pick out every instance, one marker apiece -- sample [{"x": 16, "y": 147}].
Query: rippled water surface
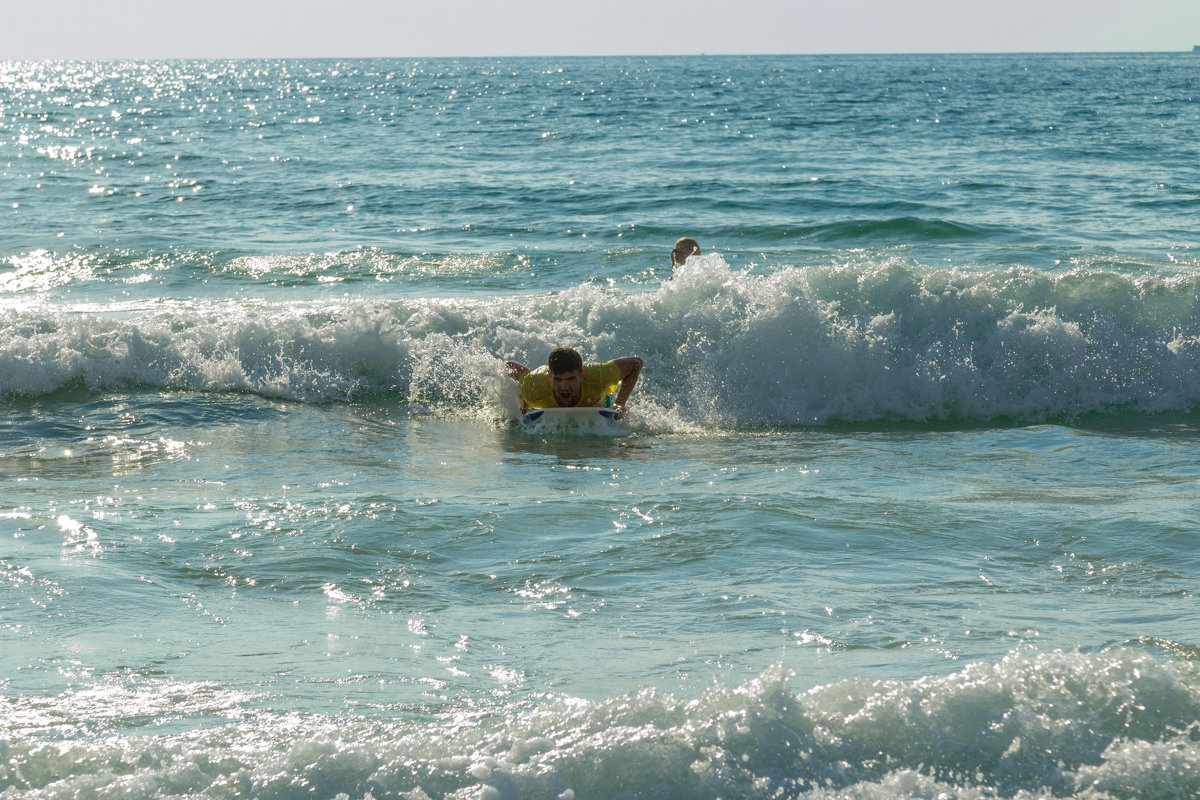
[{"x": 904, "y": 505}]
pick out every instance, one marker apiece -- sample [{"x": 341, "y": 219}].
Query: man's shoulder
[
  {"x": 602, "y": 374},
  {"x": 535, "y": 387},
  {"x": 535, "y": 373}
]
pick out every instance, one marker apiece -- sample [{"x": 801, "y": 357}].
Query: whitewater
[{"x": 792, "y": 348}]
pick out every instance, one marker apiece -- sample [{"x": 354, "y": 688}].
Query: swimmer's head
[
  {"x": 564, "y": 359},
  {"x": 684, "y": 248}
]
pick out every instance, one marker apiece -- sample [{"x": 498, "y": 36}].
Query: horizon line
[{"x": 831, "y": 54}]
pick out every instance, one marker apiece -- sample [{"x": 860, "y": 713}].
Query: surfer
[
  {"x": 684, "y": 249},
  {"x": 566, "y": 381}
]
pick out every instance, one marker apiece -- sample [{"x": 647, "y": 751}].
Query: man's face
[{"x": 566, "y": 386}]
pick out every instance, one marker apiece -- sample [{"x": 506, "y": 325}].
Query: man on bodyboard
[{"x": 565, "y": 381}]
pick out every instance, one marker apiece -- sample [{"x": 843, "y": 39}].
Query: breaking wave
[{"x": 888, "y": 341}]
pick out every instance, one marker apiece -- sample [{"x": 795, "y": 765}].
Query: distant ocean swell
[
  {"x": 798, "y": 346},
  {"x": 1113, "y": 724}
]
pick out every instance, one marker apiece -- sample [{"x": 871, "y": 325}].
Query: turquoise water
[{"x": 905, "y": 506}]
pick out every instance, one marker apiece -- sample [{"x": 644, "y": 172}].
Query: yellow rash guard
[{"x": 599, "y": 381}]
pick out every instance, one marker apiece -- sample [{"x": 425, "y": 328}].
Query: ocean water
[{"x": 906, "y": 504}]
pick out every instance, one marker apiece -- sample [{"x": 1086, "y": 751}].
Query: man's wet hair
[{"x": 564, "y": 359}]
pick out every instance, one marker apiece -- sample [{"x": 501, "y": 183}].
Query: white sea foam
[
  {"x": 1112, "y": 724},
  {"x": 889, "y": 341}
]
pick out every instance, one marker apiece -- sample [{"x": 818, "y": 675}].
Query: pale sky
[{"x": 412, "y": 28}]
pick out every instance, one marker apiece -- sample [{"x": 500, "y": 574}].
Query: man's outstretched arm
[
  {"x": 515, "y": 370},
  {"x": 630, "y": 367}
]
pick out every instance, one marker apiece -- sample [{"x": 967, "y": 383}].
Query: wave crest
[{"x": 799, "y": 346}]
